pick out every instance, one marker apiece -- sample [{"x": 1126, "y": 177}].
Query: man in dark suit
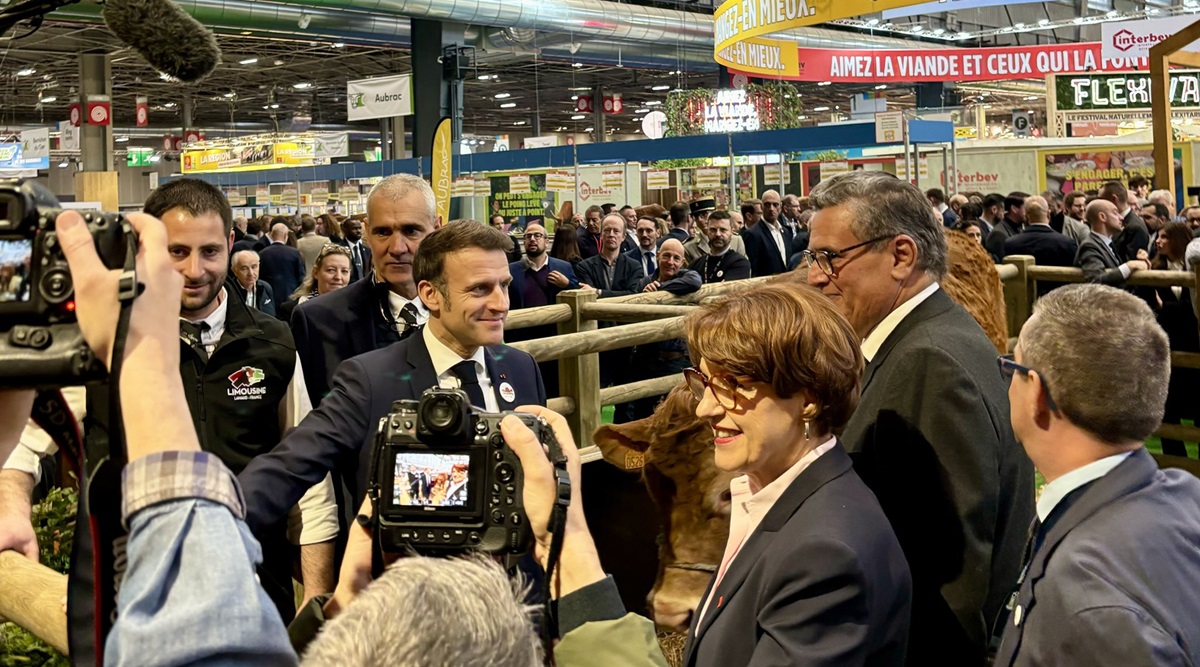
[
  {"x": 1113, "y": 572},
  {"x": 255, "y": 293},
  {"x": 536, "y": 281},
  {"x": 768, "y": 244},
  {"x": 589, "y": 233},
  {"x": 647, "y": 250},
  {"x": 360, "y": 254},
  {"x": 611, "y": 273},
  {"x": 250, "y": 239},
  {"x": 369, "y": 314},
  {"x": 282, "y": 265},
  {"x": 931, "y": 433},
  {"x": 681, "y": 220},
  {"x": 1096, "y": 255},
  {"x": 1048, "y": 247},
  {"x": 463, "y": 278},
  {"x": 1134, "y": 235},
  {"x": 1014, "y": 220},
  {"x": 720, "y": 263}
]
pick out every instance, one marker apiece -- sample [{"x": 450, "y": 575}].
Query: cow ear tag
[{"x": 635, "y": 460}]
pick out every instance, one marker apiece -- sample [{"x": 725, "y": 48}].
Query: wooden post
[
  {"x": 31, "y": 595},
  {"x": 1162, "y": 56},
  {"x": 579, "y": 377},
  {"x": 1018, "y": 293},
  {"x": 1196, "y": 289}
]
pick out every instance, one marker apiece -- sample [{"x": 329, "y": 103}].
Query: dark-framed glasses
[
  {"x": 824, "y": 258},
  {"x": 1009, "y": 367},
  {"x": 535, "y": 235},
  {"x": 724, "y": 388}
]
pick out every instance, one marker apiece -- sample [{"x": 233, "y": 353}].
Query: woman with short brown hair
[{"x": 812, "y": 572}]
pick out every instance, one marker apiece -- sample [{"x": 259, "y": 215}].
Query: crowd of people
[{"x": 883, "y": 509}]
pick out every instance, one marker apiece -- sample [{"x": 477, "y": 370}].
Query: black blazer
[
  {"x": 588, "y": 243},
  {"x": 763, "y": 252},
  {"x": 931, "y": 436},
  {"x": 730, "y": 266},
  {"x": 339, "y": 434},
  {"x": 821, "y": 581},
  {"x": 995, "y": 240},
  {"x": 1099, "y": 262},
  {"x": 1134, "y": 236},
  {"x": 283, "y": 267},
  {"x": 264, "y": 296},
  {"x": 1048, "y": 247},
  {"x": 1114, "y": 580},
  {"x": 627, "y": 273},
  {"x": 333, "y": 327},
  {"x": 677, "y": 233}
]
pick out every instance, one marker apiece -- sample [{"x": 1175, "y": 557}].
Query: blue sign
[
  {"x": 947, "y": 6},
  {"x": 11, "y": 158}
]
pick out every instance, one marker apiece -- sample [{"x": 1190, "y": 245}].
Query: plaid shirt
[{"x": 165, "y": 476}]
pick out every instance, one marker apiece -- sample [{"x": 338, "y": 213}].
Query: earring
[{"x": 807, "y": 429}]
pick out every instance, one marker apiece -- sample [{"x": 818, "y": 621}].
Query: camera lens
[{"x": 440, "y": 414}]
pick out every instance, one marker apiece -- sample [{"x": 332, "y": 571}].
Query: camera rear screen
[
  {"x": 431, "y": 480},
  {"x": 14, "y": 269}
]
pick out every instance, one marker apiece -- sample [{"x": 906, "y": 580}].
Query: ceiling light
[
  {"x": 248, "y": 61},
  {"x": 122, "y": 139},
  {"x": 1079, "y": 19},
  {"x": 63, "y": 164},
  {"x": 917, "y": 28},
  {"x": 825, "y": 83},
  {"x": 939, "y": 31},
  {"x": 821, "y": 109},
  {"x": 156, "y": 157},
  {"x": 502, "y": 96},
  {"x": 1044, "y": 22},
  {"x": 588, "y": 129},
  {"x": 579, "y": 116},
  {"x": 278, "y": 62},
  {"x": 801, "y": 117},
  {"x": 508, "y": 105},
  {"x": 520, "y": 122},
  {"x": 655, "y": 103},
  {"x": 873, "y": 22},
  {"x": 165, "y": 77},
  {"x": 561, "y": 128},
  {"x": 574, "y": 97},
  {"x": 579, "y": 89},
  {"x": 339, "y": 45},
  {"x": 577, "y": 65},
  {"x": 963, "y": 35},
  {"x": 229, "y": 95},
  {"x": 1113, "y": 14},
  {"x": 169, "y": 105},
  {"x": 274, "y": 106},
  {"x": 1019, "y": 26},
  {"x": 642, "y": 111},
  {"x": 48, "y": 100},
  {"x": 28, "y": 71},
  {"x": 881, "y": 86},
  {"x": 303, "y": 85},
  {"x": 657, "y": 88},
  {"x": 1031, "y": 97}
]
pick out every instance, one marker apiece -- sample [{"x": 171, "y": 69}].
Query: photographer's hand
[
  {"x": 356, "y": 565},
  {"x": 579, "y": 564},
  {"x": 152, "y": 345},
  {"x": 15, "y": 406}
]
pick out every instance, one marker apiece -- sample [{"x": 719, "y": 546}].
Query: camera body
[
  {"x": 443, "y": 481},
  {"x": 40, "y": 342}
]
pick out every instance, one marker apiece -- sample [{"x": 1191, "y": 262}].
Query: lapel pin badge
[
  {"x": 507, "y": 392},
  {"x": 720, "y": 600}
]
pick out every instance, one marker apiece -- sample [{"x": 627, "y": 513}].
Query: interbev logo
[{"x": 1124, "y": 40}]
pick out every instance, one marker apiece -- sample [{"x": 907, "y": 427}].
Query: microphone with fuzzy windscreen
[{"x": 168, "y": 38}]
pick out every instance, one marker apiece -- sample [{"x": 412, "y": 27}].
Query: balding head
[
  {"x": 244, "y": 264},
  {"x": 1037, "y": 210},
  {"x": 670, "y": 259},
  {"x": 279, "y": 232},
  {"x": 772, "y": 205},
  {"x": 1103, "y": 217}
]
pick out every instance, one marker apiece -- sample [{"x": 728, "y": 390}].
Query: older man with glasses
[{"x": 931, "y": 431}]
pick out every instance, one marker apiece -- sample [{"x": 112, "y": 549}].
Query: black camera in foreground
[
  {"x": 443, "y": 481},
  {"x": 40, "y": 342}
]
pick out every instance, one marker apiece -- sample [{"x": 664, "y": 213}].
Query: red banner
[
  {"x": 143, "y": 112},
  {"x": 76, "y": 113},
  {"x": 960, "y": 65},
  {"x": 99, "y": 110}
]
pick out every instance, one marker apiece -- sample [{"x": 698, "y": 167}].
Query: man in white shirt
[
  {"x": 932, "y": 415},
  {"x": 1088, "y": 595}
]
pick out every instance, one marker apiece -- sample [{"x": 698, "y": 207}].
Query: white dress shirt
[
  {"x": 878, "y": 335},
  {"x": 748, "y": 508},
  {"x": 444, "y": 359},
  {"x": 777, "y": 234},
  {"x": 398, "y": 302},
  {"x": 1054, "y": 492}
]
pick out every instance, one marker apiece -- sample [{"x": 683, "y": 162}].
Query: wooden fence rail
[{"x": 33, "y": 596}]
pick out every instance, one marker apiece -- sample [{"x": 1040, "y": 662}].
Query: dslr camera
[
  {"x": 40, "y": 342},
  {"x": 442, "y": 480}
]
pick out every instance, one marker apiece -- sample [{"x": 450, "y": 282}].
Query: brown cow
[{"x": 674, "y": 452}]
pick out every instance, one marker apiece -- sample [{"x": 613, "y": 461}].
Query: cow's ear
[{"x": 620, "y": 447}]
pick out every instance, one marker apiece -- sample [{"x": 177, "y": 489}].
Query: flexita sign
[
  {"x": 383, "y": 97},
  {"x": 1101, "y": 92}
]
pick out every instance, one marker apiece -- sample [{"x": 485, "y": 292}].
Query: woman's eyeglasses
[{"x": 724, "y": 389}]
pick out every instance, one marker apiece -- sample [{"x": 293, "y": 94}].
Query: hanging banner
[
  {"x": 961, "y": 65},
  {"x": 831, "y": 169},
  {"x": 290, "y": 196},
  {"x": 235, "y": 197},
  {"x": 541, "y": 142},
  {"x": 12, "y": 158},
  {"x": 382, "y": 97},
  {"x": 36, "y": 143},
  {"x": 1133, "y": 39},
  {"x": 331, "y": 145},
  {"x": 68, "y": 136},
  {"x": 349, "y": 192},
  {"x": 709, "y": 177},
  {"x": 889, "y": 127},
  {"x": 483, "y": 187},
  {"x": 262, "y": 195},
  {"x": 319, "y": 193},
  {"x": 1070, "y": 171},
  {"x": 1123, "y": 91},
  {"x": 922, "y": 169},
  {"x": 99, "y": 110},
  {"x": 771, "y": 174},
  {"x": 940, "y": 6},
  {"x": 76, "y": 112},
  {"x": 658, "y": 179},
  {"x": 143, "y": 112},
  {"x": 613, "y": 179},
  {"x": 592, "y": 190},
  {"x": 518, "y": 184},
  {"x": 560, "y": 181},
  {"x": 464, "y": 186},
  {"x": 441, "y": 174}
]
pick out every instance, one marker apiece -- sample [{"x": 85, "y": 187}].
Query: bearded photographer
[{"x": 184, "y": 511}]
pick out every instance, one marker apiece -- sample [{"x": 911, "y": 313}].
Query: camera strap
[{"x": 557, "y": 527}]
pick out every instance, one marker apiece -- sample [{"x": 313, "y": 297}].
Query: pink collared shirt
[{"x": 748, "y": 509}]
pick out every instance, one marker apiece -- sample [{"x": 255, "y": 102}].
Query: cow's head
[{"x": 673, "y": 450}]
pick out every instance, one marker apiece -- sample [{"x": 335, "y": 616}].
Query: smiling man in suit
[
  {"x": 931, "y": 433},
  {"x": 462, "y": 277}
]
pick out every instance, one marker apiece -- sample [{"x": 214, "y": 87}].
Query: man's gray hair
[
  {"x": 882, "y": 205},
  {"x": 1076, "y": 338},
  {"x": 1163, "y": 197},
  {"x": 399, "y": 186},
  {"x": 432, "y": 612}
]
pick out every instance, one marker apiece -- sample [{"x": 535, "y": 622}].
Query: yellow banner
[
  {"x": 441, "y": 169},
  {"x": 739, "y": 20},
  {"x": 768, "y": 57}
]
